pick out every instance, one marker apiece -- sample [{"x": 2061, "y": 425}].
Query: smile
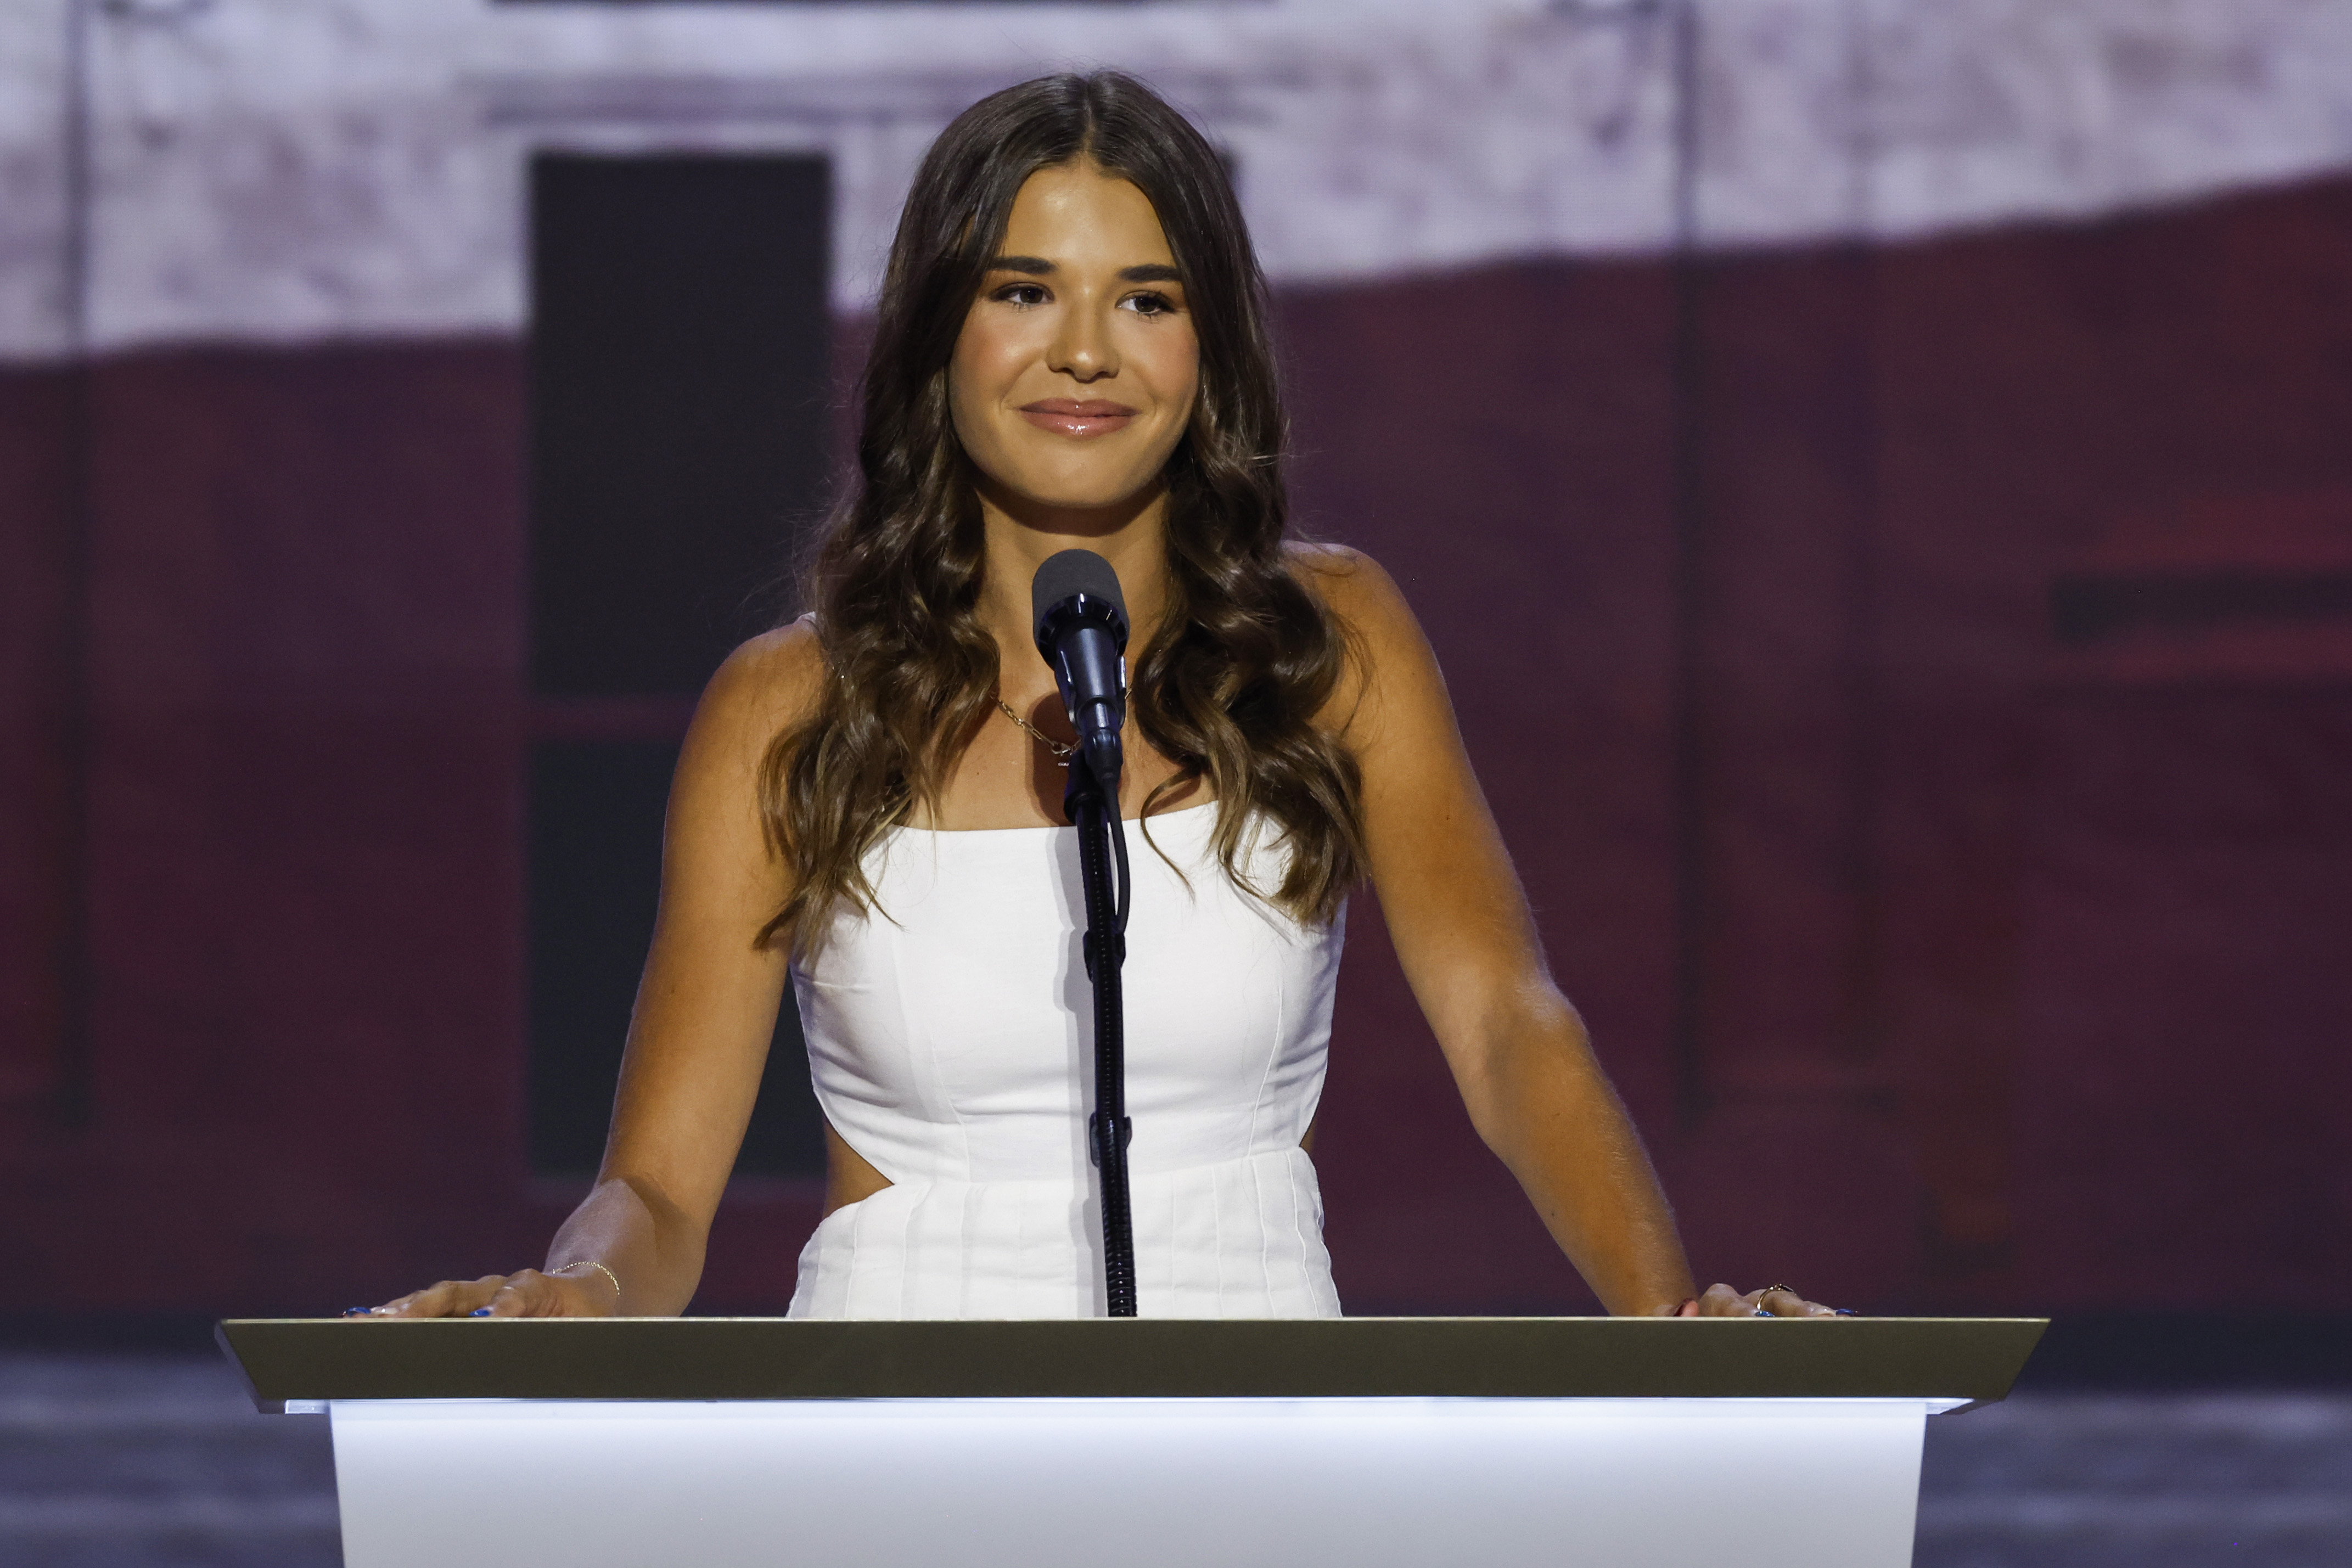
[{"x": 1068, "y": 416}]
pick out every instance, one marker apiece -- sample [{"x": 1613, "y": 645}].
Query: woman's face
[{"x": 1073, "y": 377}]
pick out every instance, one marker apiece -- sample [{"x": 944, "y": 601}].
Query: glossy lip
[{"x": 1073, "y": 416}]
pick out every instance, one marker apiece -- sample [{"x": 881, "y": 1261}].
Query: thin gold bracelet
[{"x": 592, "y": 1263}]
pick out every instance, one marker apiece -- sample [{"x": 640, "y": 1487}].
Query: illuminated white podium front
[{"x": 1369, "y": 1442}]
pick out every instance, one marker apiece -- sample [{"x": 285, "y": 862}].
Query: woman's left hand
[{"x": 1772, "y": 1302}]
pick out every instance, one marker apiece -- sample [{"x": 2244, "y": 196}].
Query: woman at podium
[{"x": 1072, "y": 350}]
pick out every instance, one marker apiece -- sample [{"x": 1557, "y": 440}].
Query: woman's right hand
[
  {"x": 527, "y": 1294},
  {"x": 699, "y": 1039}
]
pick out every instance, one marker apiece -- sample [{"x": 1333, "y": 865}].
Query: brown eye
[
  {"x": 1149, "y": 303},
  {"x": 1021, "y": 294}
]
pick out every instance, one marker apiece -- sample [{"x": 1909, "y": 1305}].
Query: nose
[{"x": 1081, "y": 347}]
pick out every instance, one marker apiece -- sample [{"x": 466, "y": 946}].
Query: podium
[{"x": 1150, "y": 1443}]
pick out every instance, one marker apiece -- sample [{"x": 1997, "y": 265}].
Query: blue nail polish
[
  {"x": 479, "y": 1312},
  {"x": 357, "y": 1311}
]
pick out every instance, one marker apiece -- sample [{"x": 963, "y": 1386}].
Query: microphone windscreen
[{"x": 1071, "y": 572}]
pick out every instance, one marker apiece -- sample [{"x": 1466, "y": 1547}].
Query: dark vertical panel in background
[
  {"x": 679, "y": 370},
  {"x": 595, "y": 859},
  {"x": 677, "y": 388},
  {"x": 42, "y": 880}
]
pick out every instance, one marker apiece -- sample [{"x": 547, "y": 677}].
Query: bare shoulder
[
  {"x": 1355, "y": 588},
  {"x": 768, "y": 685},
  {"x": 1388, "y": 656}
]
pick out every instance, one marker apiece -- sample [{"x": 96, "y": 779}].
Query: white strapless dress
[{"x": 951, "y": 1040}]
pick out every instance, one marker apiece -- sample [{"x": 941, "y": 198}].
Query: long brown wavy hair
[{"x": 1246, "y": 657}]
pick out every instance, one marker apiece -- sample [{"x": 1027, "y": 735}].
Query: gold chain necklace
[{"x": 1062, "y": 754}]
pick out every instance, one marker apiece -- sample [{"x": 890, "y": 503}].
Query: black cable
[{"x": 1119, "y": 852}]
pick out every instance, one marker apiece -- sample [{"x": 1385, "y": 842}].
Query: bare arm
[
  {"x": 1462, "y": 931},
  {"x": 699, "y": 1037}
]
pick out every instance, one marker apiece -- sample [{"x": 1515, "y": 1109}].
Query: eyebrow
[{"x": 1038, "y": 266}]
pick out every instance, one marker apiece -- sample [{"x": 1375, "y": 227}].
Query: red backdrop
[{"x": 1955, "y": 944}]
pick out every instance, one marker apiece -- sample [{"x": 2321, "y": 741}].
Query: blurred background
[{"x": 1877, "y": 474}]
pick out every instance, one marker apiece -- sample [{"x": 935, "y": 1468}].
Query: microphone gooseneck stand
[
  {"x": 1080, "y": 617},
  {"x": 1092, "y": 805}
]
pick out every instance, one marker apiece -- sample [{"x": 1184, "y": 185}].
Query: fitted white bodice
[{"x": 950, "y": 1040}]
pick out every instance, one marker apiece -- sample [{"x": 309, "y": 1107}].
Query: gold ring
[{"x": 1764, "y": 1312}]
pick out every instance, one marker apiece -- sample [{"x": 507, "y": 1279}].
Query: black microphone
[{"x": 1081, "y": 621}]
